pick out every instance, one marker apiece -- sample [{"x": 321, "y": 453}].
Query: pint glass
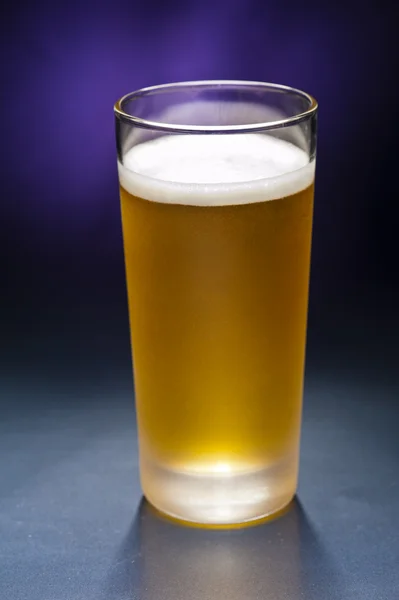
[{"x": 216, "y": 187}]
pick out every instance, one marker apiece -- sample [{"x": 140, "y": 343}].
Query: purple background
[{"x": 61, "y": 249}]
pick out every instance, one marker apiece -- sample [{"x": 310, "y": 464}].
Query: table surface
[{"x": 73, "y": 525}]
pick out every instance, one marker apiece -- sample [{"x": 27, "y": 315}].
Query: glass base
[{"x": 222, "y": 496}]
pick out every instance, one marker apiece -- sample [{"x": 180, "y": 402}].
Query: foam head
[{"x": 214, "y": 170}]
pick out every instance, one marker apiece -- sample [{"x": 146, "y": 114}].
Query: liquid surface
[{"x": 218, "y": 293}]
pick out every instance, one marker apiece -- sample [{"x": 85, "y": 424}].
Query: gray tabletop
[{"x": 74, "y": 526}]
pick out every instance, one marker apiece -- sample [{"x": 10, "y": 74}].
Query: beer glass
[{"x": 216, "y": 188}]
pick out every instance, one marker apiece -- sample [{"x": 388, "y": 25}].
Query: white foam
[{"x": 214, "y": 170}]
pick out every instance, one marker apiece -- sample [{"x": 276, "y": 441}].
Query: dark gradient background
[{"x": 64, "y": 343}]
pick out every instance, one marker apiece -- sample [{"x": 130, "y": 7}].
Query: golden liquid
[{"x": 218, "y": 307}]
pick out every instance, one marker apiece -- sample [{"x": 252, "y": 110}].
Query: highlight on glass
[{"x": 216, "y": 188}]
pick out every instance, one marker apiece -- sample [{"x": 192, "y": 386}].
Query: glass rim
[{"x": 198, "y": 129}]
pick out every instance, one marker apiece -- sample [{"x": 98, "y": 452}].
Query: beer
[{"x": 217, "y": 236}]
